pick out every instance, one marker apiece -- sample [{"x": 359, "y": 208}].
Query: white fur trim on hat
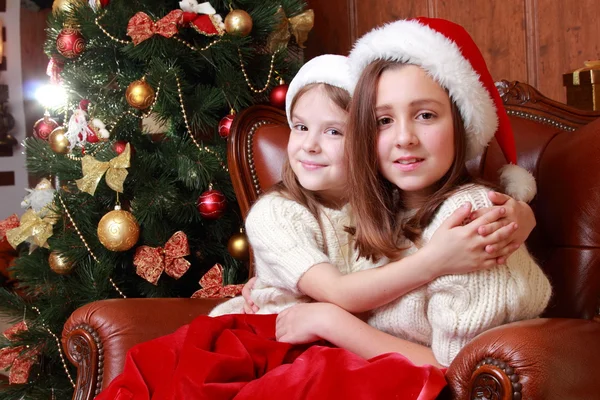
[
  {"x": 518, "y": 182},
  {"x": 328, "y": 68},
  {"x": 412, "y": 42}
]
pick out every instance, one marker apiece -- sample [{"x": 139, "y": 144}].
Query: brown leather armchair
[{"x": 556, "y": 357}]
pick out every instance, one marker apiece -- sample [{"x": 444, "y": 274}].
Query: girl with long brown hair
[
  {"x": 425, "y": 103},
  {"x": 298, "y": 230}
]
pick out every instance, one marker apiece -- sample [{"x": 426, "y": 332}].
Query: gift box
[{"x": 583, "y": 86}]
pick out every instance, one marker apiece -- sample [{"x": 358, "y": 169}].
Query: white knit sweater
[
  {"x": 286, "y": 241},
  {"x": 451, "y": 310}
]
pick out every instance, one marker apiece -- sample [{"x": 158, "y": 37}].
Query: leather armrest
[
  {"x": 98, "y": 335},
  {"x": 536, "y": 359}
]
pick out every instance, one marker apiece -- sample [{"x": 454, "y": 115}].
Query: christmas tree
[{"x": 135, "y": 198}]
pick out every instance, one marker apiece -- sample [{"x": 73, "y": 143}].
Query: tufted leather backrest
[{"x": 549, "y": 138}]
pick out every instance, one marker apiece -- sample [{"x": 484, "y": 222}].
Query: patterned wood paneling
[
  {"x": 498, "y": 28},
  {"x": 569, "y": 34}
]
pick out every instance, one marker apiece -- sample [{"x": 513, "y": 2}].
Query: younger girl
[
  {"x": 298, "y": 229},
  {"x": 427, "y": 104}
]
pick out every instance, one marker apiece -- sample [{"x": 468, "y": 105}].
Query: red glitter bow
[
  {"x": 150, "y": 262},
  {"x": 212, "y": 285},
  {"x": 141, "y": 26},
  {"x": 8, "y": 224},
  {"x": 20, "y": 359}
]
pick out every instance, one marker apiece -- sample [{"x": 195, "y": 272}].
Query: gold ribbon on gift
[
  {"x": 115, "y": 170},
  {"x": 299, "y": 26},
  {"x": 34, "y": 227},
  {"x": 590, "y": 64}
]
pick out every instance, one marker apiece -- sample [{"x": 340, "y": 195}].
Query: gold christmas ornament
[
  {"x": 118, "y": 230},
  {"x": 238, "y": 246},
  {"x": 58, "y": 140},
  {"x": 66, "y": 5},
  {"x": 139, "y": 94},
  {"x": 238, "y": 22},
  {"x": 59, "y": 264}
]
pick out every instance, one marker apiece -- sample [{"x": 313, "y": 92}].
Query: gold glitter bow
[
  {"x": 299, "y": 26},
  {"x": 115, "y": 169},
  {"x": 33, "y": 228}
]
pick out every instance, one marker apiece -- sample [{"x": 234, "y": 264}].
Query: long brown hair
[
  {"x": 289, "y": 185},
  {"x": 375, "y": 201}
]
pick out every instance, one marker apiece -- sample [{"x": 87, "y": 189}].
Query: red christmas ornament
[
  {"x": 212, "y": 204},
  {"x": 92, "y": 137},
  {"x": 225, "y": 124},
  {"x": 119, "y": 147},
  {"x": 43, "y": 127},
  {"x": 277, "y": 96},
  {"x": 70, "y": 42}
]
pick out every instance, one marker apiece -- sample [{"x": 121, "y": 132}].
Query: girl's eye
[
  {"x": 300, "y": 127},
  {"x": 426, "y": 116},
  {"x": 384, "y": 121},
  {"x": 333, "y": 132}
]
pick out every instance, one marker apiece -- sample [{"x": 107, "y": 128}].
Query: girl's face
[
  {"x": 415, "y": 143},
  {"x": 316, "y": 145}
]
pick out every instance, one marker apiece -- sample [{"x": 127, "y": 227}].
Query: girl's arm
[
  {"x": 306, "y": 323},
  {"x": 454, "y": 249},
  {"x": 518, "y": 212}
]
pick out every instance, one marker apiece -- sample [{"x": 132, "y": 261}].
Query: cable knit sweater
[
  {"x": 451, "y": 310},
  {"x": 286, "y": 241}
]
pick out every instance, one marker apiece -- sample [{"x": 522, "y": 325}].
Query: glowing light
[{"x": 51, "y": 96}]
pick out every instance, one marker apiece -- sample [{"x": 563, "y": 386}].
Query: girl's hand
[
  {"x": 249, "y": 306},
  {"x": 518, "y": 212},
  {"x": 458, "y": 249},
  {"x": 302, "y": 323}
]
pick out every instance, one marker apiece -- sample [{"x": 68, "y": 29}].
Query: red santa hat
[
  {"x": 450, "y": 56},
  {"x": 331, "y": 69}
]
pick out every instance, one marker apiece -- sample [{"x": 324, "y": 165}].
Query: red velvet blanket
[{"x": 237, "y": 357}]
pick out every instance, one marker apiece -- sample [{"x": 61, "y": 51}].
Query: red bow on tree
[
  {"x": 20, "y": 359},
  {"x": 141, "y": 26},
  {"x": 150, "y": 262},
  {"x": 212, "y": 285}
]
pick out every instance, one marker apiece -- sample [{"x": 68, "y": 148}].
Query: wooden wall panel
[
  {"x": 332, "y": 31},
  {"x": 569, "y": 34},
  {"x": 370, "y": 14},
  {"x": 498, "y": 28}
]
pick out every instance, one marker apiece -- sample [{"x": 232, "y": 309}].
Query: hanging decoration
[
  {"x": 59, "y": 263},
  {"x": 139, "y": 94},
  {"x": 278, "y": 94},
  {"x": 141, "y": 27},
  {"x": 212, "y": 285},
  {"x": 98, "y": 4},
  {"x": 225, "y": 124},
  {"x": 70, "y": 42},
  {"x": 151, "y": 262},
  {"x": 203, "y": 18},
  {"x": 299, "y": 26},
  {"x": 65, "y": 6},
  {"x": 77, "y": 129},
  {"x": 40, "y": 196},
  {"x": 238, "y": 246},
  {"x": 54, "y": 69},
  {"x": 34, "y": 228},
  {"x": 118, "y": 230},
  {"x": 93, "y": 170},
  {"x": 238, "y": 22},
  {"x": 58, "y": 140},
  {"x": 212, "y": 204},
  {"x": 44, "y": 126},
  {"x": 19, "y": 359},
  {"x": 96, "y": 131}
]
